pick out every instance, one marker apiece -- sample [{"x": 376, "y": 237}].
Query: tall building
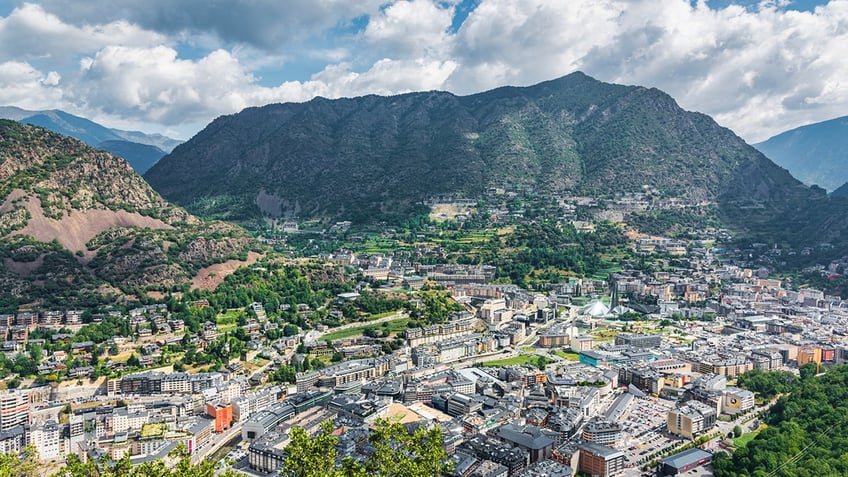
[
  {"x": 46, "y": 438},
  {"x": 596, "y": 459},
  {"x": 601, "y": 431},
  {"x": 14, "y": 409},
  {"x": 691, "y": 419},
  {"x": 222, "y": 413}
]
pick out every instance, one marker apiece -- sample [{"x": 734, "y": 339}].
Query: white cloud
[
  {"x": 729, "y": 63},
  {"x": 154, "y": 84},
  {"x": 757, "y": 70},
  {"x": 411, "y": 28},
  {"x": 26, "y": 87},
  {"x": 527, "y": 41},
  {"x": 385, "y": 77},
  {"x": 31, "y": 32}
]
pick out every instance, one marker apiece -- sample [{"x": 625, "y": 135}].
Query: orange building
[
  {"x": 223, "y": 414},
  {"x": 810, "y": 355}
]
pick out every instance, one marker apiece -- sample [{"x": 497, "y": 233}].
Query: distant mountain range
[
  {"x": 815, "y": 153},
  {"x": 139, "y": 149},
  {"x": 375, "y": 158},
  {"x": 77, "y": 224}
]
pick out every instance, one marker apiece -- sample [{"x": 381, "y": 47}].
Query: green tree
[
  {"x": 16, "y": 464},
  {"x": 156, "y": 468},
  {"x": 311, "y": 457},
  {"x": 808, "y": 370},
  {"x": 737, "y": 431},
  {"x": 397, "y": 453},
  {"x": 400, "y": 454}
]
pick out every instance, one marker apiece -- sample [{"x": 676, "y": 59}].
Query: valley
[{"x": 552, "y": 278}]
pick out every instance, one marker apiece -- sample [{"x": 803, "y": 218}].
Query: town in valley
[{"x": 642, "y": 366}]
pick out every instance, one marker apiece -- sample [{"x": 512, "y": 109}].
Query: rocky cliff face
[{"x": 76, "y": 222}]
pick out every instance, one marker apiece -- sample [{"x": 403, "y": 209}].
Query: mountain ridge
[
  {"x": 139, "y": 149},
  {"x": 77, "y": 223},
  {"x": 814, "y": 153},
  {"x": 380, "y": 158}
]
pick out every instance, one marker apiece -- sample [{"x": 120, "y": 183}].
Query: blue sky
[{"x": 171, "y": 66}]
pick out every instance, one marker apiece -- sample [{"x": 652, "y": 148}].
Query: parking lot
[{"x": 644, "y": 429}]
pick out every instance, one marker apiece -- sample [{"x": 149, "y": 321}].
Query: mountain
[
  {"x": 96, "y": 135},
  {"x": 377, "y": 158},
  {"x": 815, "y": 153},
  {"x": 140, "y": 156},
  {"x": 841, "y": 191},
  {"x": 78, "y": 225}
]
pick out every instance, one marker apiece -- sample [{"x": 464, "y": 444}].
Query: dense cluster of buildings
[{"x": 719, "y": 321}]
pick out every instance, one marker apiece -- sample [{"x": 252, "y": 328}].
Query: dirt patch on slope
[
  {"x": 8, "y": 204},
  {"x": 74, "y": 230},
  {"x": 210, "y": 277},
  {"x": 23, "y": 268}
]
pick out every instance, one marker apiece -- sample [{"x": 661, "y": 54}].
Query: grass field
[
  {"x": 567, "y": 355},
  {"x": 517, "y": 360},
  {"x": 392, "y": 326},
  {"x": 745, "y": 439},
  {"x": 153, "y": 430},
  {"x": 604, "y": 334}
]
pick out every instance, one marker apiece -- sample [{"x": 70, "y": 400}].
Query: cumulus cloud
[
  {"x": 758, "y": 70},
  {"x": 728, "y": 62},
  {"x": 412, "y": 28},
  {"x": 31, "y": 32},
  {"x": 154, "y": 84},
  {"x": 385, "y": 77},
  {"x": 266, "y": 24},
  {"x": 24, "y": 86}
]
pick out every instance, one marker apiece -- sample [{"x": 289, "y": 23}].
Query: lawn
[
  {"x": 229, "y": 317},
  {"x": 604, "y": 334},
  {"x": 149, "y": 430},
  {"x": 392, "y": 326},
  {"x": 567, "y": 355},
  {"x": 745, "y": 439},
  {"x": 378, "y": 316},
  {"x": 517, "y": 360}
]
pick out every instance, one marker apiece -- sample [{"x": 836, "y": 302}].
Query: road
[{"x": 218, "y": 440}]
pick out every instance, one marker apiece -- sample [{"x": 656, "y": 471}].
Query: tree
[
  {"x": 125, "y": 468},
  {"x": 133, "y": 361},
  {"x": 808, "y": 370},
  {"x": 737, "y": 431},
  {"x": 311, "y": 457},
  {"x": 16, "y": 464},
  {"x": 397, "y": 453}
]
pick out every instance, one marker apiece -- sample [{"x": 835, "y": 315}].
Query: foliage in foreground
[
  {"x": 25, "y": 464},
  {"x": 807, "y": 434},
  {"x": 397, "y": 453}
]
